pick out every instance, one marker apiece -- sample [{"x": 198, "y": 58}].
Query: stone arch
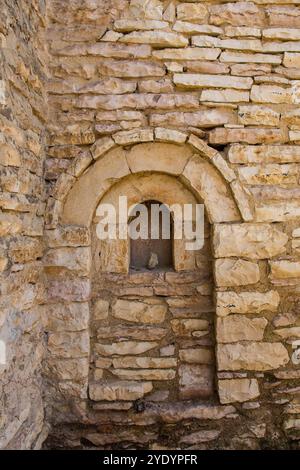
[{"x": 199, "y": 166}]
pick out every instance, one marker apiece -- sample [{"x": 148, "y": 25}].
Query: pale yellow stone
[
  {"x": 196, "y": 356},
  {"x": 188, "y": 53},
  {"x": 251, "y": 356},
  {"x": 264, "y": 153},
  {"x": 140, "y": 312},
  {"x": 235, "y": 328},
  {"x": 231, "y": 272},
  {"x": 271, "y": 94},
  {"x": 240, "y": 31},
  {"x": 73, "y": 259},
  {"x": 224, "y": 96},
  {"x": 195, "y": 12},
  {"x": 246, "y": 57},
  {"x": 243, "y": 200},
  {"x": 269, "y": 174},
  {"x": 141, "y": 9},
  {"x": 128, "y": 25},
  {"x": 9, "y": 155},
  {"x": 102, "y": 146},
  {"x": 291, "y": 59},
  {"x": 194, "y": 28},
  {"x": 294, "y": 136},
  {"x": 258, "y": 115},
  {"x": 125, "y": 348},
  {"x": 134, "y": 136},
  {"x": 254, "y": 135},
  {"x": 132, "y": 362},
  {"x": 288, "y": 333},
  {"x": 278, "y": 211},
  {"x": 246, "y": 302},
  {"x": 256, "y": 241},
  {"x": 156, "y": 38},
  {"x": 285, "y": 269},
  {"x": 286, "y": 34},
  {"x": 186, "y": 327},
  {"x": 10, "y": 224},
  {"x": 238, "y": 390},
  {"x": 292, "y": 119},
  {"x": 100, "y": 309},
  {"x": 189, "y": 80},
  {"x": 145, "y": 374},
  {"x": 236, "y": 14},
  {"x": 118, "y": 390},
  {"x": 170, "y": 135}
]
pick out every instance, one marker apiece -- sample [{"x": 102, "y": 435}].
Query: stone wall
[{"x": 22, "y": 204}]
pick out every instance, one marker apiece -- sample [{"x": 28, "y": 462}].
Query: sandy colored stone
[
  {"x": 73, "y": 259},
  {"x": 246, "y": 302},
  {"x": 258, "y": 115},
  {"x": 269, "y": 174},
  {"x": 292, "y": 119},
  {"x": 68, "y": 369},
  {"x": 131, "y": 69},
  {"x": 263, "y": 154},
  {"x": 156, "y": 38},
  {"x": 285, "y": 269},
  {"x": 195, "y": 381},
  {"x": 224, "y": 96},
  {"x": 189, "y": 80},
  {"x": 194, "y": 28},
  {"x": 200, "y": 436},
  {"x": 196, "y": 356},
  {"x": 119, "y": 390},
  {"x": 100, "y": 309},
  {"x": 243, "y": 198},
  {"x": 288, "y": 333},
  {"x": 151, "y": 9},
  {"x": 170, "y": 135},
  {"x": 127, "y": 25},
  {"x": 140, "y": 312},
  {"x": 145, "y": 374},
  {"x": 132, "y": 362},
  {"x": 238, "y": 390},
  {"x": 125, "y": 348},
  {"x": 231, "y": 272},
  {"x": 119, "y": 51},
  {"x": 240, "y": 328},
  {"x": 248, "y": 135},
  {"x": 191, "y": 12},
  {"x": 206, "y": 118},
  {"x": 251, "y": 356},
  {"x": 69, "y": 345},
  {"x": 254, "y": 241},
  {"x": 286, "y": 34},
  {"x": 10, "y": 224},
  {"x": 9, "y": 155},
  {"x": 271, "y": 94},
  {"x": 247, "y": 57},
  {"x": 240, "y": 31},
  {"x": 188, "y": 53},
  {"x": 164, "y": 85},
  {"x": 187, "y": 327},
  {"x": 71, "y": 316},
  {"x": 68, "y": 236},
  {"x": 236, "y": 14},
  {"x": 291, "y": 59}
]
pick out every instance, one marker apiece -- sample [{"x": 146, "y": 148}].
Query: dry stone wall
[{"x": 22, "y": 204}]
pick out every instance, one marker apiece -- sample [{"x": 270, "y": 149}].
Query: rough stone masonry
[{"x": 175, "y": 101}]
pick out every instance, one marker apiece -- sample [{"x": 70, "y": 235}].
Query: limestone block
[
  {"x": 271, "y": 94},
  {"x": 68, "y": 289},
  {"x": 253, "y": 135},
  {"x": 141, "y": 9},
  {"x": 9, "y": 155},
  {"x": 206, "y": 118},
  {"x": 279, "y": 211},
  {"x": 195, "y": 28},
  {"x": 243, "y": 198},
  {"x": 113, "y": 86},
  {"x": 125, "y": 348},
  {"x": 100, "y": 309},
  {"x": 294, "y": 136},
  {"x": 264, "y": 153},
  {"x": 188, "y": 53},
  {"x": 190, "y": 80},
  {"x": 248, "y": 58},
  {"x": 71, "y": 316},
  {"x": 285, "y": 269},
  {"x": 224, "y": 96},
  {"x": 118, "y": 390},
  {"x": 187, "y": 327},
  {"x": 119, "y": 51},
  {"x": 10, "y": 224},
  {"x": 145, "y": 374},
  {"x": 156, "y": 38},
  {"x": 283, "y": 16},
  {"x": 200, "y": 436},
  {"x": 163, "y": 85},
  {"x": 195, "y": 381},
  {"x": 288, "y": 333},
  {"x": 67, "y": 369},
  {"x": 292, "y": 119},
  {"x": 246, "y": 302},
  {"x": 240, "y": 328},
  {"x": 291, "y": 59},
  {"x": 238, "y": 390},
  {"x": 131, "y": 69},
  {"x": 286, "y": 34},
  {"x": 24, "y": 249},
  {"x": 73, "y": 259},
  {"x": 240, "y": 31},
  {"x": 231, "y": 272},
  {"x": 251, "y": 356},
  {"x": 128, "y": 25},
  {"x": 68, "y": 235},
  {"x": 269, "y": 174},
  {"x": 258, "y": 115},
  {"x": 131, "y": 362},
  {"x": 134, "y": 136},
  {"x": 256, "y": 241},
  {"x": 194, "y": 12},
  {"x": 102, "y": 146},
  {"x": 69, "y": 344},
  {"x": 196, "y": 356},
  {"x": 170, "y": 135},
  {"x": 140, "y": 312},
  {"x": 236, "y": 14}
]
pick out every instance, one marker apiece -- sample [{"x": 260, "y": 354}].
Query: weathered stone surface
[
  {"x": 236, "y": 14},
  {"x": 155, "y": 38},
  {"x": 132, "y": 362},
  {"x": 248, "y": 58},
  {"x": 191, "y": 12},
  {"x": 237, "y": 390},
  {"x": 125, "y": 348},
  {"x": 224, "y": 96},
  {"x": 127, "y": 25},
  {"x": 189, "y": 53},
  {"x": 271, "y": 94},
  {"x": 100, "y": 309},
  {"x": 256, "y": 115},
  {"x": 73, "y": 259},
  {"x": 194, "y": 28},
  {"x": 264, "y": 154},
  {"x": 131, "y": 69},
  {"x": 145, "y": 374},
  {"x": 251, "y": 356},
  {"x": 200, "y": 436},
  {"x": 69, "y": 345},
  {"x": 186, "y": 327},
  {"x": 288, "y": 333},
  {"x": 269, "y": 174},
  {"x": 119, "y": 51},
  {"x": 246, "y": 302},
  {"x": 291, "y": 59},
  {"x": 189, "y": 80},
  {"x": 230, "y": 272},
  {"x": 66, "y": 316},
  {"x": 68, "y": 369},
  {"x": 195, "y": 381},
  {"x": 256, "y": 241},
  {"x": 240, "y": 328},
  {"x": 140, "y": 312},
  {"x": 285, "y": 269},
  {"x": 247, "y": 135},
  {"x": 206, "y": 118},
  {"x": 196, "y": 356},
  {"x": 68, "y": 236},
  {"x": 119, "y": 390}
]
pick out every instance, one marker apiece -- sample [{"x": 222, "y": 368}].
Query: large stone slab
[
  {"x": 140, "y": 312},
  {"x": 124, "y": 348},
  {"x": 193, "y": 80},
  {"x": 251, "y": 356},
  {"x": 256, "y": 241},
  {"x": 246, "y": 302},
  {"x": 118, "y": 390},
  {"x": 285, "y": 269},
  {"x": 236, "y": 272},
  {"x": 237, "y": 390},
  {"x": 195, "y": 381},
  {"x": 240, "y": 328}
]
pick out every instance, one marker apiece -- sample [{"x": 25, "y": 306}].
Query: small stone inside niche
[{"x": 152, "y": 253}]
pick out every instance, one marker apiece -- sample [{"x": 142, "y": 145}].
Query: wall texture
[
  {"x": 220, "y": 82},
  {"x": 22, "y": 204}
]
